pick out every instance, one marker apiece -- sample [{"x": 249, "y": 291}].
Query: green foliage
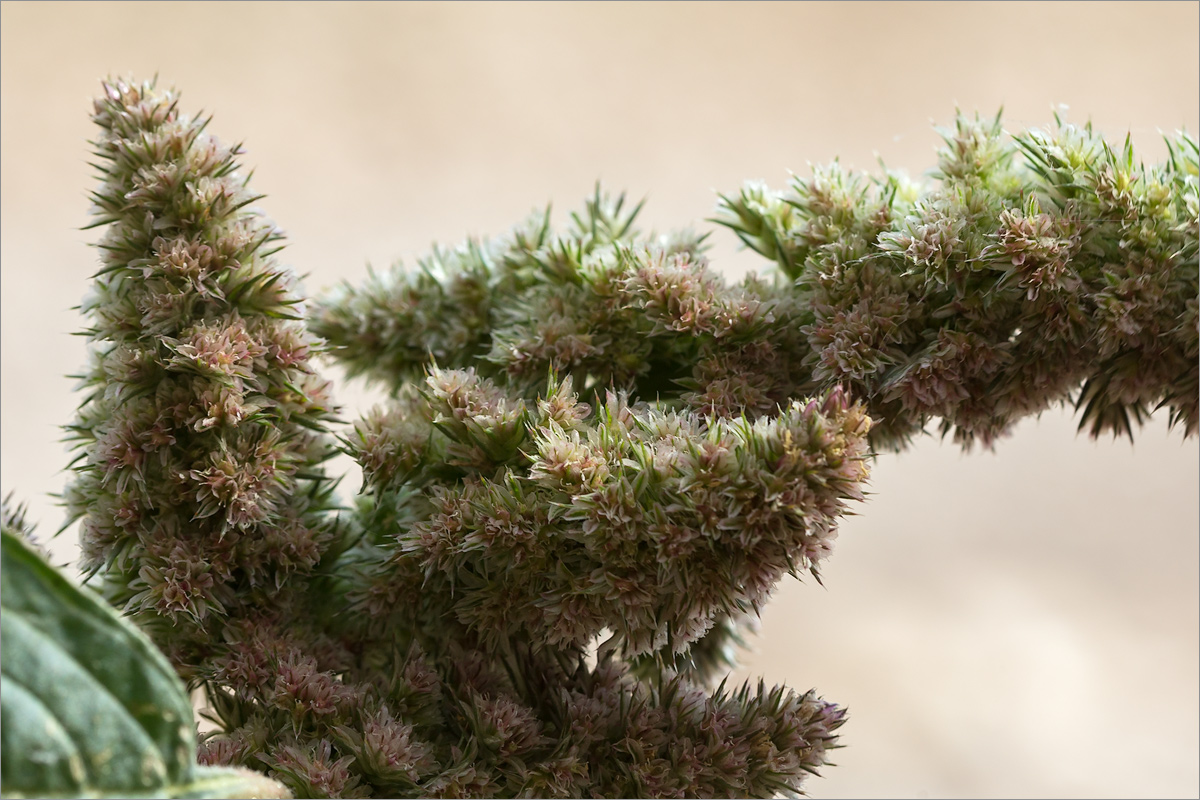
[{"x": 90, "y": 706}]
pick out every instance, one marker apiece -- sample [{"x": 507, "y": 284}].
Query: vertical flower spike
[{"x": 198, "y": 481}]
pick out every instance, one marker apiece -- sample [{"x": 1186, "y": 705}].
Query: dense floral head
[{"x": 599, "y": 458}]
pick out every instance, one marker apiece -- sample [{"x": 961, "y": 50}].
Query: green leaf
[{"x": 90, "y": 708}]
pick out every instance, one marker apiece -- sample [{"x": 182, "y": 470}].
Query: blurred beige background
[{"x": 1018, "y": 624}]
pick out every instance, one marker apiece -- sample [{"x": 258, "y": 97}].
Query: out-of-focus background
[{"x": 1022, "y": 623}]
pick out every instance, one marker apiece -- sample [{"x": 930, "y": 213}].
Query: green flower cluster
[
  {"x": 198, "y": 481},
  {"x": 601, "y": 303},
  {"x": 1037, "y": 270},
  {"x": 599, "y": 458},
  {"x": 556, "y": 544},
  {"x": 1032, "y": 271},
  {"x": 550, "y": 527}
]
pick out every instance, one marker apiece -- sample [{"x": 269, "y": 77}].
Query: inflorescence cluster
[
  {"x": 599, "y": 458},
  {"x": 1032, "y": 271},
  {"x": 511, "y": 608}
]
